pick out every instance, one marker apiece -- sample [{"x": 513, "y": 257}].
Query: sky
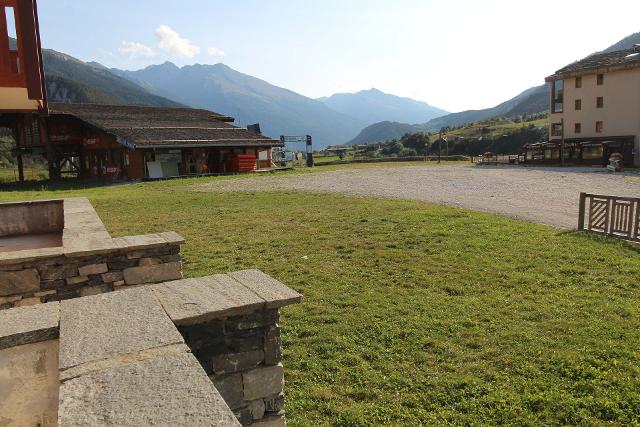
[{"x": 454, "y": 54}]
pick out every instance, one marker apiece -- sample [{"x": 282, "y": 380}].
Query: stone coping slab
[
  {"x": 276, "y": 294},
  {"x": 84, "y": 234},
  {"x": 190, "y": 301},
  {"x": 122, "y": 361},
  {"x": 165, "y": 391},
  {"x": 107, "y": 325},
  {"x": 28, "y": 325}
]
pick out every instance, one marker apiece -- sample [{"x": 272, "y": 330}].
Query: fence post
[{"x": 581, "y": 211}]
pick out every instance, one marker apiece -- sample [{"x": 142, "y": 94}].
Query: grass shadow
[
  {"x": 65, "y": 184},
  {"x": 602, "y": 238}
]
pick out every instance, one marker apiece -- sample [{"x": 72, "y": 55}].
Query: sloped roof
[
  {"x": 605, "y": 62},
  {"x": 147, "y": 127}
]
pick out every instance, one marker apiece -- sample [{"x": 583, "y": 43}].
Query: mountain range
[
  {"x": 331, "y": 120},
  {"x": 371, "y": 106},
  {"x": 626, "y": 43},
  {"x": 248, "y": 99},
  {"x": 531, "y": 101}
]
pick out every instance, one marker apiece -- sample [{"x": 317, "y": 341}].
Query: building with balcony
[{"x": 594, "y": 111}]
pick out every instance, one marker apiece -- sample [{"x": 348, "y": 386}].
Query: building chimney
[{"x": 255, "y": 129}]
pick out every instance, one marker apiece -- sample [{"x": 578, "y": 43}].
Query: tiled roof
[
  {"x": 163, "y": 127},
  {"x": 621, "y": 59}
]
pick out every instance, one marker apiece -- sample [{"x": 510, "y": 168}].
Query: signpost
[{"x": 301, "y": 138}]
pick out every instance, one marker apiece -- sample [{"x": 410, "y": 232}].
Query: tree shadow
[{"x": 65, "y": 184}]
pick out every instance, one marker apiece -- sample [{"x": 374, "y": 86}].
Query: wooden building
[
  {"x": 119, "y": 142},
  {"x": 132, "y": 142},
  {"x": 23, "y": 97}
]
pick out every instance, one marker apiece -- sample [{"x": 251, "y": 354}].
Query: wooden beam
[{"x": 30, "y": 55}]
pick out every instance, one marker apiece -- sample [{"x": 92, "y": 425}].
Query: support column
[
  {"x": 44, "y": 140},
  {"x": 19, "y": 138},
  {"x": 20, "y": 167}
]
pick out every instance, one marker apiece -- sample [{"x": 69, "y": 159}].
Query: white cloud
[
  {"x": 169, "y": 40},
  {"x": 135, "y": 49},
  {"x": 214, "y": 51}
]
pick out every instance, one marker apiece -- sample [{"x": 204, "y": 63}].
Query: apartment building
[{"x": 594, "y": 111}]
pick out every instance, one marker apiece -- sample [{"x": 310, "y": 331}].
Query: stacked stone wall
[
  {"x": 29, "y": 282},
  {"x": 242, "y": 356}
]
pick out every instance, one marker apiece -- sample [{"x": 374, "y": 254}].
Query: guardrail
[
  {"x": 611, "y": 215},
  {"x": 456, "y": 158}
]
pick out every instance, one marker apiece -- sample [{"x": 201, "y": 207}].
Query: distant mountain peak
[
  {"x": 220, "y": 88},
  {"x": 166, "y": 64},
  {"x": 373, "y": 105}
]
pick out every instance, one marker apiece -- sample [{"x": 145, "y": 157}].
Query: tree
[
  {"x": 394, "y": 147},
  {"x": 417, "y": 142}
]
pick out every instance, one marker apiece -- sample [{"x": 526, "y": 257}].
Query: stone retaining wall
[
  {"x": 55, "y": 278},
  {"x": 242, "y": 357},
  {"x": 139, "y": 353}
]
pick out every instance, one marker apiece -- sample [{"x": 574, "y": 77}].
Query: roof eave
[
  {"x": 593, "y": 70},
  {"x": 200, "y": 144}
]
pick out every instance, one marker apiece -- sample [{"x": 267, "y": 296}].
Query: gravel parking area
[{"x": 545, "y": 195}]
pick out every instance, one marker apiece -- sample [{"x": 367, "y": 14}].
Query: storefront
[{"x": 592, "y": 152}]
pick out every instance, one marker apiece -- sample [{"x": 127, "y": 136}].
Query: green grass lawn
[{"x": 416, "y": 313}]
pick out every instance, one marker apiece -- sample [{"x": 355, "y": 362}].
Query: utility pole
[
  {"x": 440, "y": 147},
  {"x": 426, "y": 147}
]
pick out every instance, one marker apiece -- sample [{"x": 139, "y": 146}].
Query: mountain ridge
[
  {"x": 373, "y": 105},
  {"x": 531, "y": 101},
  {"x": 249, "y": 99},
  {"x": 69, "y": 79}
]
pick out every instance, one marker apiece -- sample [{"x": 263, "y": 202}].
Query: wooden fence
[{"x": 614, "y": 216}]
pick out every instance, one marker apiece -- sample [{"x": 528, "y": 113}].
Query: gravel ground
[{"x": 545, "y": 195}]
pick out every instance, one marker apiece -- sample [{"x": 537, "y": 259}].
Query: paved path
[{"x": 545, "y": 195}]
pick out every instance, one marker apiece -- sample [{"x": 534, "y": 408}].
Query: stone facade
[
  {"x": 60, "y": 278},
  {"x": 241, "y": 355}
]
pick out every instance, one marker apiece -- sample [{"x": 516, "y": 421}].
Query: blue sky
[{"x": 455, "y": 54}]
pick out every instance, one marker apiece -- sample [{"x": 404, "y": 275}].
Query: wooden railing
[{"x": 614, "y": 216}]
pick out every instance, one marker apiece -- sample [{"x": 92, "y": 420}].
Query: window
[
  {"x": 599, "y": 127},
  {"x": 551, "y": 154},
  {"x": 11, "y": 21},
  {"x": 600, "y": 102},
  {"x": 556, "y": 129},
  {"x": 13, "y": 64},
  {"x": 577, "y": 128},
  {"x": 592, "y": 153},
  {"x": 600, "y": 79},
  {"x": 558, "y": 96},
  {"x": 578, "y": 104},
  {"x": 578, "y": 82}
]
